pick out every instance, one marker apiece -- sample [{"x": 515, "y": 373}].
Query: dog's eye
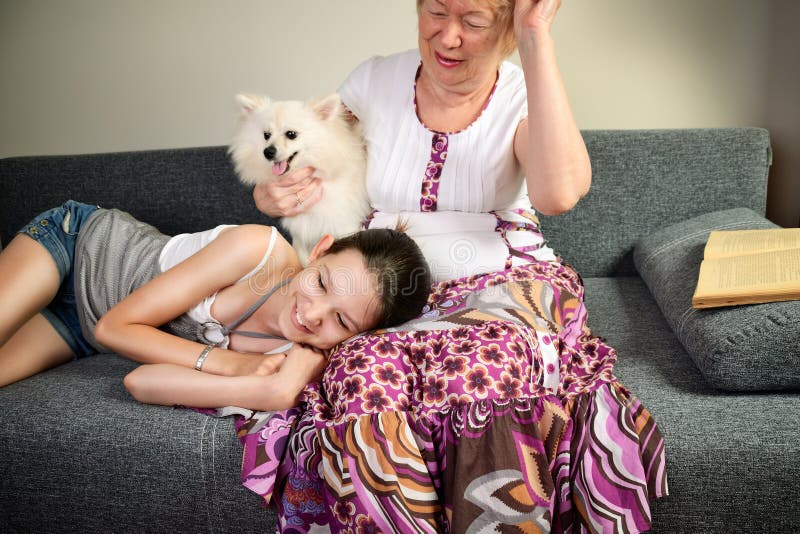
[
  {"x": 291, "y": 134},
  {"x": 267, "y": 135}
]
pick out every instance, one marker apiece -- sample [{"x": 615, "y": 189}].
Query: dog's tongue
[{"x": 280, "y": 168}]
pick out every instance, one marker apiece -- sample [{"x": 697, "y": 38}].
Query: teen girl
[{"x": 229, "y": 315}]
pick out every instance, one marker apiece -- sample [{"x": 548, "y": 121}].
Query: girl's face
[
  {"x": 331, "y": 300},
  {"x": 460, "y": 42}
]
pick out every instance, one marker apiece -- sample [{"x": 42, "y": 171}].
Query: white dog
[{"x": 276, "y": 136}]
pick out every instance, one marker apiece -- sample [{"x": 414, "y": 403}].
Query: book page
[
  {"x": 724, "y": 243},
  {"x": 757, "y": 270},
  {"x": 760, "y": 277}
]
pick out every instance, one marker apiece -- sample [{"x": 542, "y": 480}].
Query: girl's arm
[
  {"x": 169, "y": 384},
  {"x": 131, "y": 327},
  {"x": 548, "y": 144}
]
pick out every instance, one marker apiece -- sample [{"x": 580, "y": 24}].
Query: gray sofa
[{"x": 78, "y": 454}]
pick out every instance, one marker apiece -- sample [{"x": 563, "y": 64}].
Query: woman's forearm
[{"x": 550, "y": 146}]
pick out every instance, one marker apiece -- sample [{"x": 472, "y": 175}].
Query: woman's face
[
  {"x": 331, "y": 300},
  {"x": 460, "y": 43}
]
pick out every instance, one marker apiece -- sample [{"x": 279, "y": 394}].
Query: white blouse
[{"x": 462, "y": 194}]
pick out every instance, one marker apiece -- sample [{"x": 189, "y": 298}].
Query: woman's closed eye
[{"x": 476, "y": 24}]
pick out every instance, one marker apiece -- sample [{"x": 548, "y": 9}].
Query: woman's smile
[{"x": 447, "y": 62}]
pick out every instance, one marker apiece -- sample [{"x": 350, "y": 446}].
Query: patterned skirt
[{"x": 496, "y": 411}]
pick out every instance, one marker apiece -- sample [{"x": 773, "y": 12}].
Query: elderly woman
[
  {"x": 455, "y": 134},
  {"x": 497, "y": 409}
]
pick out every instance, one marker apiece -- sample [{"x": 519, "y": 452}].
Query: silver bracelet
[{"x": 203, "y": 355}]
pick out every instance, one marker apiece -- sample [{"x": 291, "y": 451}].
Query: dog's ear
[
  {"x": 249, "y": 103},
  {"x": 328, "y": 107}
]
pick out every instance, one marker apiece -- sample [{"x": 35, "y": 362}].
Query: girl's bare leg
[
  {"x": 29, "y": 280},
  {"x": 34, "y": 348}
]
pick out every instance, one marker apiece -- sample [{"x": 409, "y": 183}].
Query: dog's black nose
[{"x": 270, "y": 152}]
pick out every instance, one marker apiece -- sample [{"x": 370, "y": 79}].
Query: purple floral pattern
[
  {"x": 429, "y": 196},
  {"x": 394, "y": 437}
]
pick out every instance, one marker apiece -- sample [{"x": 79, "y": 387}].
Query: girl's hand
[
  {"x": 170, "y": 384},
  {"x": 257, "y": 364},
  {"x": 303, "y": 364},
  {"x": 288, "y": 195},
  {"x": 534, "y": 16}
]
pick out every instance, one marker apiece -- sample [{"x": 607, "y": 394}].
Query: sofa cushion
[
  {"x": 719, "y": 444},
  {"x": 740, "y": 348},
  {"x": 644, "y": 179},
  {"x": 79, "y": 454}
]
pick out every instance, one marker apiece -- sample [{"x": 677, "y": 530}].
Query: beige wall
[{"x": 104, "y": 75}]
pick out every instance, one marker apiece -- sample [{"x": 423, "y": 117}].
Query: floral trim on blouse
[{"x": 429, "y": 194}]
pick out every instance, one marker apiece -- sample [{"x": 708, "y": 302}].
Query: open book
[{"x": 749, "y": 267}]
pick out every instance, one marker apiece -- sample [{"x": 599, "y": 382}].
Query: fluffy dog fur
[{"x": 275, "y": 137}]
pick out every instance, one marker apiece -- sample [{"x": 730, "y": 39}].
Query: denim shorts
[{"x": 57, "y": 230}]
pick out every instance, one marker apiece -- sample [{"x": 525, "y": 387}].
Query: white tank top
[{"x": 181, "y": 247}]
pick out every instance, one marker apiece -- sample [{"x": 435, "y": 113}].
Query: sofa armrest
[{"x": 737, "y": 348}]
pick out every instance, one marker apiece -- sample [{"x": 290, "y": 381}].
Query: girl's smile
[
  {"x": 298, "y": 322},
  {"x": 332, "y": 299}
]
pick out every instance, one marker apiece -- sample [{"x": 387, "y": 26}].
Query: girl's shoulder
[
  {"x": 283, "y": 255},
  {"x": 252, "y": 242}
]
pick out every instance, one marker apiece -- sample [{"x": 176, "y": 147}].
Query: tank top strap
[{"x": 231, "y": 328}]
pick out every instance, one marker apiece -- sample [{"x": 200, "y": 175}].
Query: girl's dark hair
[{"x": 402, "y": 275}]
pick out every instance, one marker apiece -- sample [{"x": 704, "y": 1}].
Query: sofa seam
[
  {"x": 203, "y": 473},
  {"x": 682, "y": 321},
  {"x": 214, "y": 461}
]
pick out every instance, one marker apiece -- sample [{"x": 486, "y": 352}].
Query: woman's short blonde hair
[{"x": 504, "y": 14}]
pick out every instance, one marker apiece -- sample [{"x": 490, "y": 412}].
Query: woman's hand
[
  {"x": 534, "y": 16},
  {"x": 288, "y": 195}
]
